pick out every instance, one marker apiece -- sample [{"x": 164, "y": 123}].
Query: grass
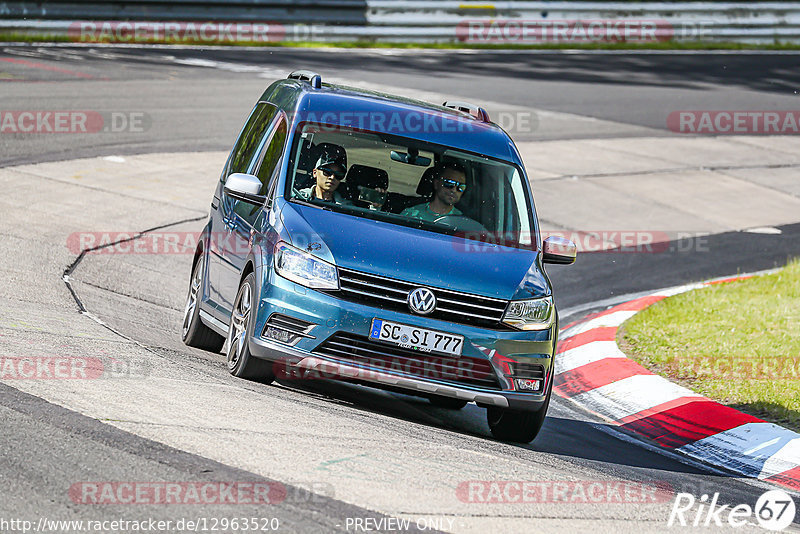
[
  {"x": 737, "y": 343},
  {"x": 23, "y": 37}
]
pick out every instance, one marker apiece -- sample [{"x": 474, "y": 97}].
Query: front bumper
[{"x": 331, "y": 315}]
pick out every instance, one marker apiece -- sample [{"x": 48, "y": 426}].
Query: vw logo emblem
[{"x": 422, "y": 301}]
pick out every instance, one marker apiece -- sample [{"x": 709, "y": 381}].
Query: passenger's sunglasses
[
  {"x": 339, "y": 175},
  {"x": 450, "y": 184}
]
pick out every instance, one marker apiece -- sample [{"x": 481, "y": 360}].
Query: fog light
[
  {"x": 524, "y": 384},
  {"x": 279, "y": 335}
]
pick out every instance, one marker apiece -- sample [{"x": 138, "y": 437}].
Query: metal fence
[
  {"x": 351, "y": 12},
  {"x": 441, "y": 21}
]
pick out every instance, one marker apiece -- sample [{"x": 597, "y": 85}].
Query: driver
[
  {"x": 448, "y": 186},
  {"x": 328, "y": 173}
]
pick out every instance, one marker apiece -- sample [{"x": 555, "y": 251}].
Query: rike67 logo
[{"x": 774, "y": 510}]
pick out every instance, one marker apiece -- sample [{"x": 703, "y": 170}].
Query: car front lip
[{"x": 334, "y": 369}]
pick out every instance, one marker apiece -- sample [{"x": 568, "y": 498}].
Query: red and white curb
[{"x": 595, "y": 374}]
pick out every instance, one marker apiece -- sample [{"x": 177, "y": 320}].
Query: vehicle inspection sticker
[{"x": 414, "y": 338}]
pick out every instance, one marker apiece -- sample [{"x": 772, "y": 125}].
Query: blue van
[{"x": 370, "y": 238}]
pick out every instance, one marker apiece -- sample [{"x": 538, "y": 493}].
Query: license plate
[{"x": 414, "y": 338}]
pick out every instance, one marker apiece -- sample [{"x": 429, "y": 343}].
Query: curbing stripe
[
  {"x": 614, "y": 319},
  {"x": 586, "y": 354},
  {"x": 631, "y": 395},
  {"x": 789, "y": 479},
  {"x": 785, "y": 459},
  {"x": 744, "y": 449},
  {"x": 594, "y": 373},
  {"x": 688, "y": 421},
  {"x": 603, "y": 333}
]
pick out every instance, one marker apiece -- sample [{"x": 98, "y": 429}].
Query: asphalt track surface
[{"x": 196, "y": 107}]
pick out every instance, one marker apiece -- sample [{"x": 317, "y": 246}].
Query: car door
[
  {"x": 223, "y": 220},
  {"x": 245, "y": 219}
]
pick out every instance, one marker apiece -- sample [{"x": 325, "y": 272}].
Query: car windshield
[{"x": 412, "y": 183}]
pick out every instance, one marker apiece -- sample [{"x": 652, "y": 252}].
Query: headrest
[
  {"x": 425, "y": 187},
  {"x": 371, "y": 177}
]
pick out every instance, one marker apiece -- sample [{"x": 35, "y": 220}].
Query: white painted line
[
  {"x": 586, "y": 354},
  {"x": 672, "y": 291},
  {"x": 611, "y": 319},
  {"x": 632, "y": 395}
]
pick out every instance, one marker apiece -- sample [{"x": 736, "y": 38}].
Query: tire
[
  {"x": 518, "y": 426},
  {"x": 194, "y": 333},
  {"x": 448, "y": 402},
  {"x": 241, "y": 363}
]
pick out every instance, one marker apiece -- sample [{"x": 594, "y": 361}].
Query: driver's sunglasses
[
  {"x": 450, "y": 184},
  {"x": 339, "y": 175}
]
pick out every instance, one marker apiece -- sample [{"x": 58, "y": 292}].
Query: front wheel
[
  {"x": 194, "y": 332},
  {"x": 518, "y": 426},
  {"x": 241, "y": 363}
]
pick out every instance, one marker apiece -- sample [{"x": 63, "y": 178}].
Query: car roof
[{"x": 392, "y": 114}]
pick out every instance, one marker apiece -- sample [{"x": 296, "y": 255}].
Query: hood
[{"x": 415, "y": 255}]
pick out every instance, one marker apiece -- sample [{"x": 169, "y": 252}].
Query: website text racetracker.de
[
  {"x": 72, "y": 122},
  {"x": 146, "y": 31},
  {"x": 621, "y": 241},
  {"x": 735, "y": 122},
  {"x": 539, "y": 31},
  {"x": 612, "y": 241},
  {"x": 194, "y": 524}
]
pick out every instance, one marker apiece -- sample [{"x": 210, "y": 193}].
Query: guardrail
[
  {"x": 440, "y": 21},
  {"x": 275, "y": 11}
]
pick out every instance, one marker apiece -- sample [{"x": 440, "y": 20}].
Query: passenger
[
  {"x": 329, "y": 171},
  {"x": 448, "y": 186}
]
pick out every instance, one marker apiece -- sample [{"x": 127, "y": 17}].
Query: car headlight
[
  {"x": 534, "y": 314},
  {"x": 304, "y": 269}
]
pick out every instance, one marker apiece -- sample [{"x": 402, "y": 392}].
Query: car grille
[
  {"x": 464, "y": 370},
  {"x": 391, "y": 294}
]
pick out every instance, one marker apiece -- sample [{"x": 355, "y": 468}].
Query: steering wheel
[{"x": 460, "y": 222}]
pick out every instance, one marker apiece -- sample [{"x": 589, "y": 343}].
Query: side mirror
[
  {"x": 244, "y": 187},
  {"x": 559, "y": 250}
]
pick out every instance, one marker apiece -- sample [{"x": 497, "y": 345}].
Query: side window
[
  {"x": 269, "y": 157},
  {"x": 251, "y": 136}
]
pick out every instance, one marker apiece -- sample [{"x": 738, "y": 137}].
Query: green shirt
[
  {"x": 310, "y": 193},
  {"x": 424, "y": 212}
]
